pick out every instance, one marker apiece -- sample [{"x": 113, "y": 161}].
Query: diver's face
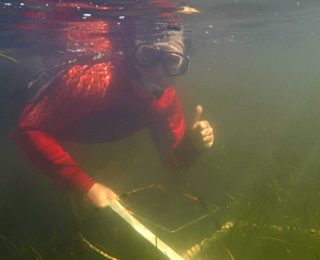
[{"x": 156, "y": 68}]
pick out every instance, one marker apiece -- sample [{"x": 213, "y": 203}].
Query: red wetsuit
[
  {"x": 88, "y": 103},
  {"x": 94, "y": 103}
]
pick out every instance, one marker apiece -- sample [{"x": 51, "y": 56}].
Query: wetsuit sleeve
[
  {"x": 50, "y": 157},
  {"x": 168, "y": 131},
  {"x": 67, "y": 100}
]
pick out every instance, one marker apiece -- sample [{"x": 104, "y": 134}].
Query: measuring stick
[{"x": 142, "y": 230}]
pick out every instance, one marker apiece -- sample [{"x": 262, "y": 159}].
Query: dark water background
[{"x": 254, "y": 68}]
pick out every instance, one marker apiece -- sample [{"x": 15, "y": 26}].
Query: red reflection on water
[{"x": 66, "y": 22}]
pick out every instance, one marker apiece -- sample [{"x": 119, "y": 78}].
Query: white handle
[{"x": 146, "y": 233}]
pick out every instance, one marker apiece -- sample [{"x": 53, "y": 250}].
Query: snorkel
[{"x": 152, "y": 88}]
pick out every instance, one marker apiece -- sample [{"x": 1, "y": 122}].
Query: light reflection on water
[{"x": 254, "y": 68}]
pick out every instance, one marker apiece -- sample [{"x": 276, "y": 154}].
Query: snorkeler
[{"x": 107, "y": 100}]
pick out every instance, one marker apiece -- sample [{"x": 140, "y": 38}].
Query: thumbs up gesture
[{"x": 201, "y": 133}]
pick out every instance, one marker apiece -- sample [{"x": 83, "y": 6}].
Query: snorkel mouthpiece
[
  {"x": 152, "y": 88},
  {"x": 157, "y": 92}
]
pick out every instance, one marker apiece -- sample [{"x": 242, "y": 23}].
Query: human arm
[
  {"x": 51, "y": 159},
  {"x": 178, "y": 144},
  {"x": 198, "y": 137},
  {"x": 56, "y": 163},
  {"x": 46, "y": 118}
]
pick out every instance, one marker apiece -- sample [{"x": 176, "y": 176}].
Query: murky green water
[{"x": 254, "y": 68}]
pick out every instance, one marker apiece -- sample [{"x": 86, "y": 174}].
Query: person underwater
[{"x": 106, "y": 101}]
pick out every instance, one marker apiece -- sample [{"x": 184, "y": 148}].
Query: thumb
[{"x": 197, "y": 114}]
